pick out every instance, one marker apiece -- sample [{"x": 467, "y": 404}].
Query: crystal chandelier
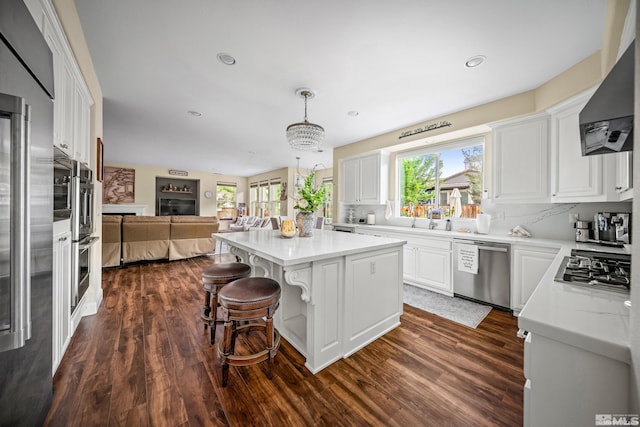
[{"x": 305, "y": 135}]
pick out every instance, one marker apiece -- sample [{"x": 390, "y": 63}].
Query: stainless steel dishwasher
[{"x": 487, "y": 278}]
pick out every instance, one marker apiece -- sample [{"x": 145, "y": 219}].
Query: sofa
[
  {"x": 191, "y": 236},
  {"x": 247, "y": 223},
  {"x": 111, "y": 240},
  {"x": 148, "y": 238}
]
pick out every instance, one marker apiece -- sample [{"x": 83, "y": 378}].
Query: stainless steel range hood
[{"x": 606, "y": 121}]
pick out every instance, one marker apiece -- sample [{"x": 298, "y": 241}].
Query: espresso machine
[{"x": 612, "y": 228}]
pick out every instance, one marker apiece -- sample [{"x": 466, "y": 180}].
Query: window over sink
[{"x": 444, "y": 181}]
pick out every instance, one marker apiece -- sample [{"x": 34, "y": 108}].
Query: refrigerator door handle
[{"x": 19, "y": 331}]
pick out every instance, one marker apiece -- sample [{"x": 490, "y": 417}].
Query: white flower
[{"x": 303, "y": 203}]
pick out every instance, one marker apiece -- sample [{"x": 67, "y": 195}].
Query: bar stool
[
  {"x": 213, "y": 279},
  {"x": 244, "y": 303}
]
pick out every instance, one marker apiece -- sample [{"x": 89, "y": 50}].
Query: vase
[{"x": 305, "y": 222}]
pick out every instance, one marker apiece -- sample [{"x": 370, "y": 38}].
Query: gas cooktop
[{"x": 598, "y": 270}]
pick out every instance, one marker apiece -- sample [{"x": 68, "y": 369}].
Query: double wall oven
[{"x": 81, "y": 229}]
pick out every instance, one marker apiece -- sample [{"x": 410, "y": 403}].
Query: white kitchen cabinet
[
  {"x": 624, "y": 175},
  {"x": 61, "y": 288},
  {"x": 574, "y": 178},
  {"x": 81, "y": 123},
  {"x": 529, "y": 264},
  {"x": 72, "y": 101},
  {"x": 59, "y": 74},
  {"x": 568, "y": 386},
  {"x": 427, "y": 263},
  {"x": 520, "y": 160},
  {"x": 365, "y": 180}
]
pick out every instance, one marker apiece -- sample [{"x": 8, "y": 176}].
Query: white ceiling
[{"x": 397, "y": 63}]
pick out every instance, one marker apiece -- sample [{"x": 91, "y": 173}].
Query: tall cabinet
[{"x": 71, "y": 133}]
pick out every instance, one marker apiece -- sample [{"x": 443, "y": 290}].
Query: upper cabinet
[
  {"x": 72, "y": 102},
  {"x": 574, "y": 178},
  {"x": 538, "y": 159},
  {"x": 521, "y": 159},
  {"x": 365, "y": 179},
  {"x": 624, "y": 175}
]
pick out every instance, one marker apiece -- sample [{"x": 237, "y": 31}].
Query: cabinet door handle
[
  {"x": 62, "y": 239},
  {"x": 618, "y": 188}
]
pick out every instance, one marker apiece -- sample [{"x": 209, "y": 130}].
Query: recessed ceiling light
[
  {"x": 353, "y": 113},
  {"x": 475, "y": 61},
  {"x": 226, "y": 59},
  {"x": 194, "y": 113}
]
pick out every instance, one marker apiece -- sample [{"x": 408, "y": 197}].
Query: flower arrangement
[{"x": 310, "y": 198}]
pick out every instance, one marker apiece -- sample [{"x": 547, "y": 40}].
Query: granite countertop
[
  {"x": 323, "y": 244},
  {"x": 594, "y": 320}
]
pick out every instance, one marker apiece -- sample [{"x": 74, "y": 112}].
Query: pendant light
[{"x": 305, "y": 135}]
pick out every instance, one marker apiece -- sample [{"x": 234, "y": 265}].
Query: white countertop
[
  {"x": 493, "y": 237},
  {"x": 270, "y": 245},
  {"x": 590, "y": 319}
]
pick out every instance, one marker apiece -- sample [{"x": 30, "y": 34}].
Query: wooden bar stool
[
  {"x": 244, "y": 303},
  {"x": 213, "y": 279}
]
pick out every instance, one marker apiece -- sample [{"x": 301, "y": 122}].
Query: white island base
[{"x": 339, "y": 291}]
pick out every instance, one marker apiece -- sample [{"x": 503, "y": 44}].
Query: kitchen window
[
  {"x": 441, "y": 182},
  {"x": 226, "y": 200},
  {"x": 274, "y": 191},
  {"x": 253, "y": 199},
  {"x": 327, "y": 208},
  {"x": 264, "y": 197}
]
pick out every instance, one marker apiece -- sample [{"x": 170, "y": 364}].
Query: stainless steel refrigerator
[{"x": 26, "y": 217}]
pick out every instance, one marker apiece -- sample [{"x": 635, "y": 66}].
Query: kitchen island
[{"x": 340, "y": 291}]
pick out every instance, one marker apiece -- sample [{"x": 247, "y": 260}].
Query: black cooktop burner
[{"x": 599, "y": 270}]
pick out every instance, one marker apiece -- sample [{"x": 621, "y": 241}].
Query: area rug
[{"x": 459, "y": 310}]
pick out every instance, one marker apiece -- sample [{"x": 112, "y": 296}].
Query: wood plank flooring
[{"x": 145, "y": 360}]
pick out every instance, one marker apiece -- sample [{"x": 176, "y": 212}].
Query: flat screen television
[{"x": 176, "y": 207}]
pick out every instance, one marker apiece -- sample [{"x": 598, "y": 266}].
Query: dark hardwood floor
[{"x": 145, "y": 359}]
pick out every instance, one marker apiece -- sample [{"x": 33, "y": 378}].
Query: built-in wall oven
[
  {"x": 62, "y": 176},
  {"x": 81, "y": 229},
  {"x": 82, "y": 202}
]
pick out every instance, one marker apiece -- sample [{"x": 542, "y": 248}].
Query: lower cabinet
[
  {"x": 529, "y": 264},
  {"x": 427, "y": 263},
  {"x": 569, "y": 386},
  {"x": 61, "y": 287}
]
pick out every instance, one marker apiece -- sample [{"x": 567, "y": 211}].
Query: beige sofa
[
  {"x": 148, "y": 238},
  {"x": 145, "y": 238},
  {"x": 191, "y": 236},
  {"x": 111, "y": 240}
]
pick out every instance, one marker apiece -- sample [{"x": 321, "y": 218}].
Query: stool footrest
[{"x": 250, "y": 359}]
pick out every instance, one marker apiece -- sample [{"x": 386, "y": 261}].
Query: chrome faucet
[{"x": 432, "y": 224}]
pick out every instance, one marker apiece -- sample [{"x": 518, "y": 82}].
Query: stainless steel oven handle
[{"x": 87, "y": 243}]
